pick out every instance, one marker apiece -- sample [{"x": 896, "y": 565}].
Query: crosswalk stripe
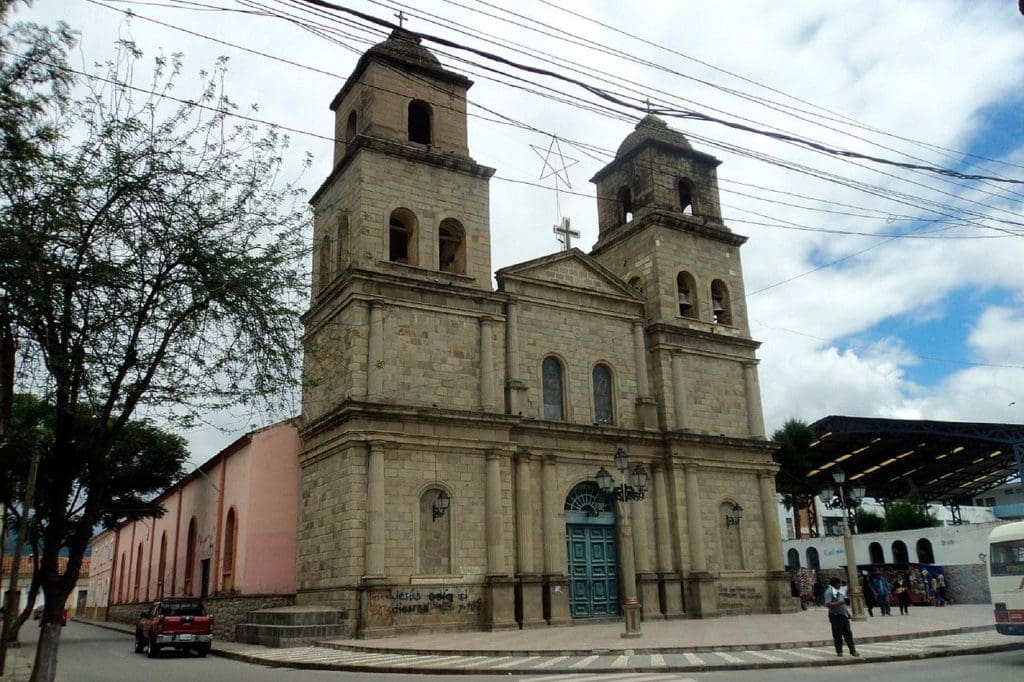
[
  {"x": 486, "y": 660},
  {"x": 728, "y": 658},
  {"x": 763, "y": 656},
  {"x": 694, "y": 659},
  {"x": 657, "y": 661},
  {"x": 599, "y": 677},
  {"x": 469, "y": 661},
  {"x": 799, "y": 654},
  {"x": 620, "y": 662},
  {"x": 584, "y": 662},
  {"x": 441, "y": 660},
  {"x": 550, "y": 662},
  {"x": 516, "y": 661}
]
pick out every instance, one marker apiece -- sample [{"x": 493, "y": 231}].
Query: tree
[
  {"x": 148, "y": 460},
  {"x": 152, "y": 259},
  {"x": 869, "y": 521},
  {"x": 910, "y": 512},
  {"x": 793, "y": 456}
]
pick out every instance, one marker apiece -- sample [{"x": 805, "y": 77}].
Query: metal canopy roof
[{"x": 950, "y": 462}]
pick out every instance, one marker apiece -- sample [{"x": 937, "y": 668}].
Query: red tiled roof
[{"x": 26, "y": 567}]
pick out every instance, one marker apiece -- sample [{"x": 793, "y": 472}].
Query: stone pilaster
[
  {"x": 375, "y": 353},
  {"x": 780, "y": 598},
  {"x": 529, "y": 583},
  {"x": 515, "y": 388},
  {"x": 486, "y": 365},
  {"x": 703, "y": 588},
  {"x": 755, "y": 420},
  {"x": 556, "y": 584},
  {"x": 671, "y": 588},
  {"x": 499, "y": 608},
  {"x": 646, "y": 405},
  {"x": 375, "y": 521},
  {"x": 678, "y": 392}
]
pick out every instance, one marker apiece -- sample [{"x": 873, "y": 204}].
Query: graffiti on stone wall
[
  {"x": 738, "y": 597},
  {"x": 378, "y": 606},
  {"x": 434, "y": 600}
]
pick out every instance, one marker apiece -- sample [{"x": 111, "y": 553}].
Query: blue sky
[{"x": 893, "y": 78}]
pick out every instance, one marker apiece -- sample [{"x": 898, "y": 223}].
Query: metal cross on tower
[
  {"x": 565, "y": 234},
  {"x": 401, "y": 18}
]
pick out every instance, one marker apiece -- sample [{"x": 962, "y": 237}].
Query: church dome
[
  {"x": 404, "y": 46},
  {"x": 652, "y": 128}
]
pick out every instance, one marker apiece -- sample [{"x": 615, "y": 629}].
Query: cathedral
[{"x": 583, "y": 441}]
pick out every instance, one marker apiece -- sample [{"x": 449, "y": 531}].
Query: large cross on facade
[{"x": 565, "y": 234}]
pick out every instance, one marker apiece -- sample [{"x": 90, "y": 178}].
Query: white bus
[{"x": 1006, "y": 577}]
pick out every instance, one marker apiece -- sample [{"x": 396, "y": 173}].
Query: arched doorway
[{"x": 592, "y": 553}]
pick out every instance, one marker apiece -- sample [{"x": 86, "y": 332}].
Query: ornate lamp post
[
  {"x": 626, "y": 492},
  {"x": 847, "y": 499}
]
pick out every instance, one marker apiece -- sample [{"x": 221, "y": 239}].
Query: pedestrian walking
[
  {"x": 818, "y": 591},
  {"x": 933, "y": 591},
  {"x": 902, "y": 589},
  {"x": 883, "y": 593},
  {"x": 870, "y": 599},
  {"x": 940, "y": 583},
  {"x": 839, "y": 618}
]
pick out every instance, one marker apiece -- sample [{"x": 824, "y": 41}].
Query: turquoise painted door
[{"x": 593, "y": 570}]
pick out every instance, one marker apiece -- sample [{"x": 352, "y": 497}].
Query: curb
[
  {"x": 763, "y": 646},
  {"x": 484, "y": 670}
]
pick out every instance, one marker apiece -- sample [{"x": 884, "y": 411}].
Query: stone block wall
[{"x": 227, "y": 611}]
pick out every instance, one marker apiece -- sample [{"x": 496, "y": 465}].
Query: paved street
[{"x": 93, "y": 654}]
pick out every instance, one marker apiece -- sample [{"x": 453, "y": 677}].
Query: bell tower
[{"x": 404, "y": 197}]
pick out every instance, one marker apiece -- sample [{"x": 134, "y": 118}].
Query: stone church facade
[{"x": 452, "y": 432}]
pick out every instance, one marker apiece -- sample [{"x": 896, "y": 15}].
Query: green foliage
[
  {"x": 793, "y": 456},
  {"x": 870, "y": 522},
  {"x": 152, "y": 259},
  {"x": 910, "y": 513}
]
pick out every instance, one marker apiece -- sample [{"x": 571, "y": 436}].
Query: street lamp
[
  {"x": 849, "y": 498},
  {"x": 626, "y": 491}
]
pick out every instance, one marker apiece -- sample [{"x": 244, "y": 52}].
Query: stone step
[
  {"x": 297, "y": 616},
  {"x": 282, "y": 636}
]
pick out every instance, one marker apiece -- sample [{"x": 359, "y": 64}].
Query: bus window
[
  {"x": 1006, "y": 577},
  {"x": 1007, "y": 558}
]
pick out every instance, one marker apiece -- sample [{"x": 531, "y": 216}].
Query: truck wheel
[
  {"x": 140, "y": 642},
  {"x": 202, "y": 650},
  {"x": 153, "y": 648}
]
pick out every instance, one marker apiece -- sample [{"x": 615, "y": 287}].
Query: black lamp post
[
  {"x": 628, "y": 490},
  {"x": 848, "y": 498}
]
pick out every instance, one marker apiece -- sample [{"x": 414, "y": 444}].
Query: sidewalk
[{"x": 801, "y": 639}]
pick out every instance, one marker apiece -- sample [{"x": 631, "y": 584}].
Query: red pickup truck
[{"x": 177, "y": 622}]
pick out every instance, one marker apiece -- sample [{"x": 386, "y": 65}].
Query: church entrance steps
[{"x": 291, "y": 626}]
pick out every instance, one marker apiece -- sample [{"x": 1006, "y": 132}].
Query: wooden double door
[{"x": 593, "y": 568}]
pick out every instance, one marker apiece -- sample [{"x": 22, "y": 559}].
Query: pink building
[{"x": 228, "y": 535}]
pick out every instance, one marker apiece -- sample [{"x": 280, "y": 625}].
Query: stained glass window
[
  {"x": 553, "y": 405},
  {"x": 603, "y": 395}
]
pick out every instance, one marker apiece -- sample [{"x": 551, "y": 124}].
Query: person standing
[
  {"x": 883, "y": 593},
  {"x": 870, "y": 598},
  {"x": 902, "y": 589},
  {"x": 839, "y": 618},
  {"x": 940, "y": 591}
]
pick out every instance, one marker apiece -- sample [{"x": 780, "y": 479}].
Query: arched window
[
  {"x": 451, "y": 248},
  {"x": 402, "y": 237},
  {"x": 122, "y": 596},
  {"x": 924, "y": 552},
  {"x": 162, "y": 566},
  {"x": 137, "y": 592},
  {"x": 435, "y": 550},
  {"x": 342, "y": 244},
  {"x": 325, "y": 262},
  {"x": 190, "y": 557},
  {"x": 603, "y": 412},
  {"x": 625, "y": 199},
  {"x": 731, "y": 539},
  {"x": 637, "y": 283},
  {"x": 812, "y": 559},
  {"x": 721, "y": 306},
  {"x": 686, "y": 291},
  {"x": 899, "y": 553},
  {"x": 793, "y": 558},
  {"x": 686, "y": 197},
  {"x": 876, "y": 553},
  {"x": 230, "y": 544},
  {"x": 419, "y": 122},
  {"x": 350, "y": 128},
  {"x": 553, "y": 389}
]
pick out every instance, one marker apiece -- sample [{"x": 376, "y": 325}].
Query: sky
[{"x": 876, "y": 290}]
